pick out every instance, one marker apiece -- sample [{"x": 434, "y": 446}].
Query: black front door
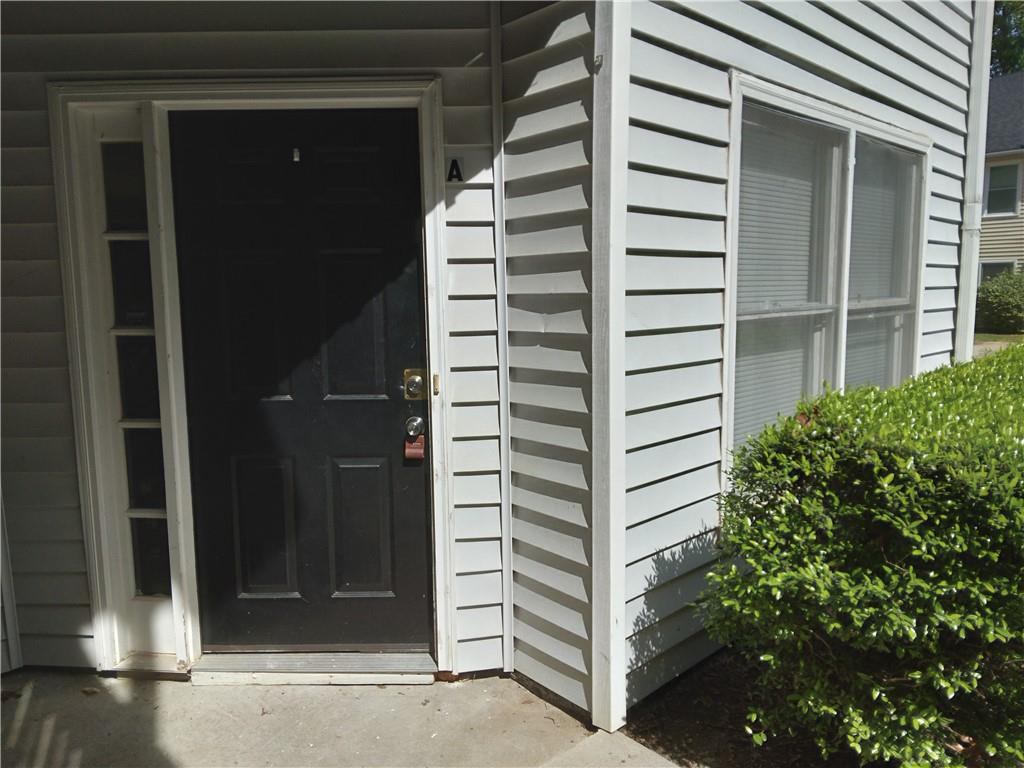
[{"x": 299, "y": 246}]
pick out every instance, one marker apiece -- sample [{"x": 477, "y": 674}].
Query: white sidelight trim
[
  {"x": 974, "y": 181},
  {"x": 77, "y": 129},
  {"x": 612, "y": 36},
  {"x": 155, "y": 100}
]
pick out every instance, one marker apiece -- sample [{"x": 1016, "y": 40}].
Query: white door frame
[{"x": 156, "y": 100}]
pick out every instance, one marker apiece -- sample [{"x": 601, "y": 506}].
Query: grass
[{"x": 1012, "y": 338}]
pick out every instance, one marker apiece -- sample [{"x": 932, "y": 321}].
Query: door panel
[
  {"x": 360, "y": 532},
  {"x": 300, "y": 260},
  {"x": 263, "y": 505}
]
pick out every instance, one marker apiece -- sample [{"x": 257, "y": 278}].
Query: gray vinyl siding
[
  {"x": 547, "y": 95},
  {"x": 123, "y": 41},
  {"x": 902, "y": 63},
  {"x": 40, "y": 485}
]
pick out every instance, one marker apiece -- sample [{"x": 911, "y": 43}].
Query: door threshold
[
  {"x": 148, "y": 666},
  {"x": 314, "y": 669}
]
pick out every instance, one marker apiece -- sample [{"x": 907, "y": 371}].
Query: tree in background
[{"x": 1008, "y": 37}]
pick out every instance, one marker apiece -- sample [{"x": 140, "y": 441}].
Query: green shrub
[
  {"x": 874, "y": 569},
  {"x": 1001, "y": 304}
]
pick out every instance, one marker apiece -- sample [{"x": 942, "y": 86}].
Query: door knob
[{"x": 414, "y": 426}]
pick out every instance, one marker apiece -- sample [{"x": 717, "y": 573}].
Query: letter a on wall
[{"x": 455, "y": 169}]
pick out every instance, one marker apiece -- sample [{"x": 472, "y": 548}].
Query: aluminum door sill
[{"x": 314, "y": 669}]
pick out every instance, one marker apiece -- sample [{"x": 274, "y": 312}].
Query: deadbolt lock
[{"x": 412, "y": 383}]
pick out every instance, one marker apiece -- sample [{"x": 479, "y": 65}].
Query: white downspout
[{"x": 974, "y": 177}]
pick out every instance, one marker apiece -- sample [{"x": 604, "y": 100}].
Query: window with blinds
[
  {"x": 883, "y": 265},
  {"x": 797, "y": 330},
  {"x": 1001, "y": 189}
]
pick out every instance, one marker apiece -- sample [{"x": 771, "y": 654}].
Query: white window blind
[
  {"x": 792, "y": 258},
  {"x": 787, "y": 281},
  {"x": 883, "y": 248}
]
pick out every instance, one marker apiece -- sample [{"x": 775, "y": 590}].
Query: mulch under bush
[{"x": 697, "y": 720}]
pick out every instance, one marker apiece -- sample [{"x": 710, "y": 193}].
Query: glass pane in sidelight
[
  {"x": 144, "y": 453},
  {"x": 133, "y": 289},
  {"x": 124, "y": 186},
  {"x": 152, "y": 556},
  {"x": 136, "y": 360}
]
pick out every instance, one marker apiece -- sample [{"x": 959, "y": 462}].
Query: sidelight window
[
  {"x": 827, "y": 270},
  {"x": 133, "y": 337}
]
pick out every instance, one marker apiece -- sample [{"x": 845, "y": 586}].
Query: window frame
[
  {"x": 1019, "y": 176},
  {"x": 1012, "y": 262},
  {"x": 746, "y": 87}
]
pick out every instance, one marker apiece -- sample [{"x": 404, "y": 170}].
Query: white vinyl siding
[
  {"x": 547, "y": 87},
  {"x": 910, "y": 69},
  {"x": 675, "y": 276},
  {"x": 124, "y": 42}
]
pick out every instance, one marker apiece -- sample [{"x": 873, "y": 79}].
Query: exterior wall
[
  {"x": 5, "y": 653},
  {"x": 902, "y": 63},
  {"x": 10, "y": 647},
  {"x": 1002, "y": 237},
  {"x": 121, "y": 41},
  {"x": 548, "y": 94}
]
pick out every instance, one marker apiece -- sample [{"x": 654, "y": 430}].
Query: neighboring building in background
[{"x": 1002, "y": 225}]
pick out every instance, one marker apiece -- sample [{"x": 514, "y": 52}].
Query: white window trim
[
  {"x": 1016, "y": 192},
  {"x": 1003, "y": 260},
  {"x": 156, "y": 100},
  {"x": 746, "y": 86}
]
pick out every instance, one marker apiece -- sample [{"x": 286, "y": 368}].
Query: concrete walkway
[
  {"x": 982, "y": 348},
  {"x": 78, "y": 719}
]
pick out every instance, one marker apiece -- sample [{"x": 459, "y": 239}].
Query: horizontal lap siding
[
  {"x": 901, "y": 65},
  {"x": 1002, "y": 238},
  {"x": 133, "y": 41},
  {"x": 38, "y": 470},
  {"x": 547, "y": 96},
  {"x": 475, "y": 492}
]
